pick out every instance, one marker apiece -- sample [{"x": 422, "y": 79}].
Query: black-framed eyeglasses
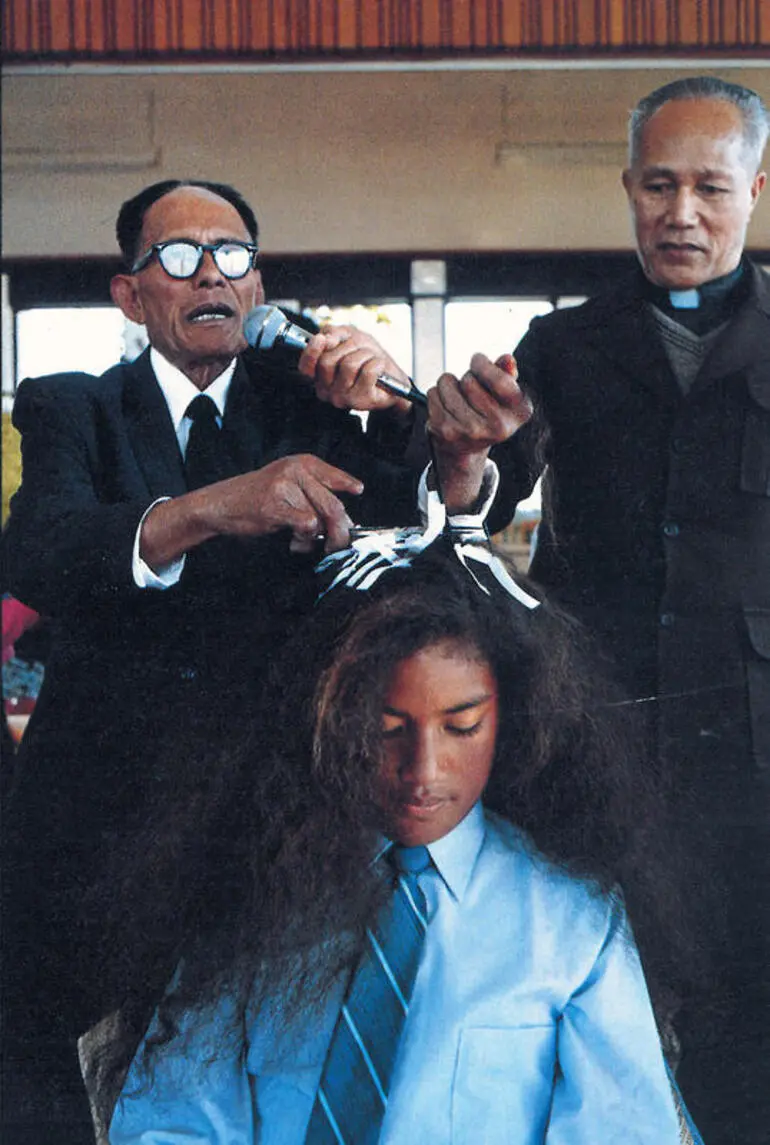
[{"x": 180, "y": 258}]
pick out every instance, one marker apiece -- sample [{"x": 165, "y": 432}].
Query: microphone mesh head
[{"x": 263, "y": 326}]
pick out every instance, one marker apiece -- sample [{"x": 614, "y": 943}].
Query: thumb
[{"x": 506, "y": 362}]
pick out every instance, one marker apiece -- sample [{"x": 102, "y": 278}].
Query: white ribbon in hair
[{"x": 373, "y": 551}]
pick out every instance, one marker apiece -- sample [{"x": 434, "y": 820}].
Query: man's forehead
[
  {"x": 707, "y": 122},
  {"x": 192, "y": 212},
  {"x": 715, "y": 115},
  {"x": 705, "y": 136}
]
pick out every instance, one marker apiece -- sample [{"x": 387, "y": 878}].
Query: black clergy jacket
[{"x": 656, "y": 520}]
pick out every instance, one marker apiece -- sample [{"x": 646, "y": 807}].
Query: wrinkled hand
[
  {"x": 466, "y": 417},
  {"x": 343, "y": 364},
  {"x": 484, "y": 407},
  {"x": 296, "y": 493}
]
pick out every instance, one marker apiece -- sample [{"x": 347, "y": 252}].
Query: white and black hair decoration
[{"x": 373, "y": 552}]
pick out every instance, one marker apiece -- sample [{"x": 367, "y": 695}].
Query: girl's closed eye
[
  {"x": 465, "y": 729},
  {"x": 392, "y": 728}
]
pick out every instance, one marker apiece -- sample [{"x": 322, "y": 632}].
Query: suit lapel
[
  {"x": 151, "y": 431},
  {"x": 243, "y": 423},
  {"x": 254, "y": 413},
  {"x": 625, "y": 332}
]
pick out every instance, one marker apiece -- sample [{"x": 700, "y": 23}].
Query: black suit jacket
[
  {"x": 134, "y": 671},
  {"x": 656, "y": 522}
]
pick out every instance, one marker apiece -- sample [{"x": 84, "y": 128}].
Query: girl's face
[{"x": 439, "y": 728}]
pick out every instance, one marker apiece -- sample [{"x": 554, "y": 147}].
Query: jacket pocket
[
  {"x": 758, "y": 676},
  {"x": 503, "y": 1085},
  {"x": 755, "y": 453}
]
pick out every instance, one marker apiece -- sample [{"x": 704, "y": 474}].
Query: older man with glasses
[{"x": 168, "y": 521}]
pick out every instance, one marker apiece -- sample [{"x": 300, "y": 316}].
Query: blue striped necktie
[{"x": 351, "y": 1099}]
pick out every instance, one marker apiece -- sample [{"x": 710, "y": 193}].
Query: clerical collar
[{"x": 702, "y": 308}]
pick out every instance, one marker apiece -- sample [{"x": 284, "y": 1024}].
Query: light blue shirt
[{"x": 530, "y": 1023}]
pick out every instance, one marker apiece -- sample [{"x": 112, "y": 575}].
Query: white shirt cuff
[
  {"x": 471, "y": 521},
  {"x": 144, "y": 576}
]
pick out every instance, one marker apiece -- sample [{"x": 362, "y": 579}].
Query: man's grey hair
[{"x": 756, "y": 122}]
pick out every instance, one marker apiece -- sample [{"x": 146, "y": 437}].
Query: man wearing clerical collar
[{"x": 652, "y": 425}]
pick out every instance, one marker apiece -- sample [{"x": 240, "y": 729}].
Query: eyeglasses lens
[
  {"x": 181, "y": 259},
  {"x": 233, "y": 260}
]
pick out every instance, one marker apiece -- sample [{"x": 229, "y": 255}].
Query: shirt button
[
  {"x": 667, "y": 619},
  {"x": 671, "y": 529}
]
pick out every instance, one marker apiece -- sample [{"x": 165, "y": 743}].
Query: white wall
[{"x": 336, "y": 161}]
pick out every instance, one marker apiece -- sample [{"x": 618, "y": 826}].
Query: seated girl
[{"x": 407, "y": 901}]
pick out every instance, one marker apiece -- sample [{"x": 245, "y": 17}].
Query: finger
[
  {"x": 335, "y": 342},
  {"x": 498, "y": 378},
  {"x": 356, "y": 349},
  {"x": 488, "y": 395},
  {"x": 302, "y": 544},
  {"x": 336, "y": 335},
  {"x": 464, "y": 416},
  {"x": 490, "y": 398},
  {"x": 463, "y": 400},
  {"x": 324, "y": 342},
  {"x": 334, "y": 522},
  {"x": 343, "y": 373},
  {"x": 507, "y": 362},
  {"x": 294, "y": 489},
  {"x": 329, "y": 475}
]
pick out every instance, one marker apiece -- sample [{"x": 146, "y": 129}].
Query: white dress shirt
[
  {"x": 178, "y": 391},
  {"x": 530, "y": 1024}
]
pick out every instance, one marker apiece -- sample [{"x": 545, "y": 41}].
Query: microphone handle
[{"x": 401, "y": 389}]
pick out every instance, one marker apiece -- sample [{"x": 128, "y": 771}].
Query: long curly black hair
[{"x": 260, "y": 870}]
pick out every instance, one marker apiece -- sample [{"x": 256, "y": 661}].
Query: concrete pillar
[
  {"x": 428, "y": 287},
  {"x": 9, "y": 347}
]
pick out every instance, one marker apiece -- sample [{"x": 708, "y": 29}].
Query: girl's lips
[{"x": 420, "y": 808}]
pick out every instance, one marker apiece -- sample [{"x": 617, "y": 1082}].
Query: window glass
[
  {"x": 493, "y": 326},
  {"x": 88, "y": 338}
]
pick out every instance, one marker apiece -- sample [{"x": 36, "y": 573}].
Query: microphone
[{"x": 268, "y": 331}]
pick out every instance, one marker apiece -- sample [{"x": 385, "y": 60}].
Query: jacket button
[
  {"x": 667, "y": 619},
  {"x": 671, "y": 529},
  {"x": 188, "y": 673}
]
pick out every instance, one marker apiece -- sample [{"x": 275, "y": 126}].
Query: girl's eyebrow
[{"x": 453, "y": 711}]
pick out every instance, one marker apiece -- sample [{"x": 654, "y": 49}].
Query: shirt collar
[
  {"x": 454, "y": 855},
  {"x": 179, "y": 391}
]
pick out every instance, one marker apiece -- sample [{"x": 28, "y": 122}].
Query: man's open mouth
[{"x": 211, "y": 312}]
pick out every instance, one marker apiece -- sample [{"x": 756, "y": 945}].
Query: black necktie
[{"x": 206, "y": 458}]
